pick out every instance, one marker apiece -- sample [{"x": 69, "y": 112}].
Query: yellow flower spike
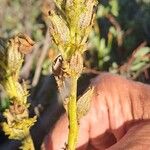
[
  {"x": 18, "y": 122},
  {"x": 69, "y": 29}
]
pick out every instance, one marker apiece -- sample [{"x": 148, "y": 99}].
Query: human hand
[{"x": 118, "y": 118}]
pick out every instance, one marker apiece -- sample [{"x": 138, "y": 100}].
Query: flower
[{"x": 71, "y": 21}]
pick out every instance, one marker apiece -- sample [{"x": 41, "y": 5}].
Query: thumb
[{"x": 137, "y": 137}]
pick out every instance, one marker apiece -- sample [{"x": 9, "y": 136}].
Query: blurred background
[{"x": 119, "y": 43}]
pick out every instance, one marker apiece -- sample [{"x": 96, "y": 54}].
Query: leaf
[
  {"x": 137, "y": 66},
  {"x": 140, "y": 59},
  {"x": 114, "y": 7},
  {"x": 4, "y": 103},
  {"x": 143, "y": 51},
  {"x": 83, "y": 104}
]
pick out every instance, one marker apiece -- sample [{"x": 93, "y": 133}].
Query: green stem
[
  {"x": 72, "y": 116},
  {"x": 27, "y": 143}
]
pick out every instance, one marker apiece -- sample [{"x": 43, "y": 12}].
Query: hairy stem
[{"x": 72, "y": 115}]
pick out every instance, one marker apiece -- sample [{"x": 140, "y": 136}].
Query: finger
[
  {"x": 97, "y": 120},
  {"x": 137, "y": 137},
  {"x": 117, "y": 102},
  {"x": 57, "y": 139}
]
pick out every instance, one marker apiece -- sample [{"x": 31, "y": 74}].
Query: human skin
[{"x": 118, "y": 118}]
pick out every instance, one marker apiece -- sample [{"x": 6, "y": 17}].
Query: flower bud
[
  {"x": 86, "y": 16},
  {"x": 58, "y": 29},
  {"x": 11, "y": 54}
]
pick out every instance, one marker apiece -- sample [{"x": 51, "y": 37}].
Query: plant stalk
[
  {"x": 72, "y": 115},
  {"x": 27, "y": 143}
]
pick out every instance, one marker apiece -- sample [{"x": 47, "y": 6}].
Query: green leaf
[
  {"x": 143, "y": 51},
  {"x": 139, "y": 59},
  {"x": 137, "y": 66},
  {"x": 114, "y": 7},
  {"x": 4, "y": 103}
]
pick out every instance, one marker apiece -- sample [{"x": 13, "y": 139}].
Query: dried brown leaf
[{"x": 83, "y": 104}]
